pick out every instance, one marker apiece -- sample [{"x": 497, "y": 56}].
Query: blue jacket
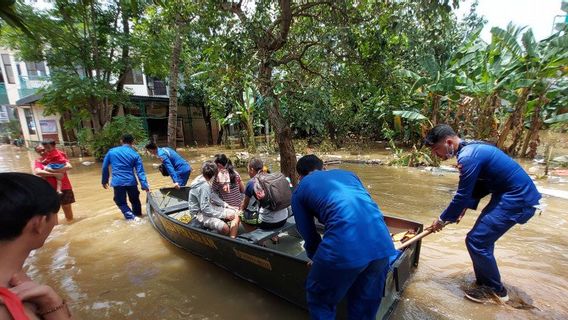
[
  {"x": 174, "y": 163},
  {"x": 124, "y": 160},
  {"x": 355, "y": 232},
  {"x": 485, "y": 169}
]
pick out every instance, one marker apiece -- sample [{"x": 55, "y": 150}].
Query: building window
[
  {"x": 8, "y": 67},
  {"x": 134, "y": 77},
  {"x": 30, "y": 120},
  {"x": 35, "y": 69},
  {"x": 156, "y": 87},
  {"x": 4, "y": 114}
]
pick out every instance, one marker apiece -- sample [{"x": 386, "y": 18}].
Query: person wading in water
[{"x": 484, "y": 169}]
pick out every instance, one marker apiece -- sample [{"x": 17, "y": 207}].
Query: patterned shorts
[
  {"x": 67, "y": 197},
  {"x": 216, "y": 223}
]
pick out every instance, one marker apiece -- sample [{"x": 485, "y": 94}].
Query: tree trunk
[
  {"x": 279, "y": 124},
  {"x": 208, "y": 125},
  {"x": 250, "y": 134},
  {"x": 435, "y": 108},
  {"x": 174, "y": 72},
  {"x": 485, "y": 126},
  {"x": 220, "y": 135},
  {"x": 125, "y": 50},
  {"x": 518, "y": 126},
  {"x": 532, "y": 135},
  {"x": 512, "y": 120}
]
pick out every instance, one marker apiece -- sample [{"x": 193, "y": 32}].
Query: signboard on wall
[{"x": 48, "y": 126}]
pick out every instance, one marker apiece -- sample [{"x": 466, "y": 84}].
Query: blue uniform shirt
[
  {"x": 124, "y": 159},
  {"x": 174, "y": 163},
  {"x": 485, "y": 169},
  {"x": 355, "y": 232}
]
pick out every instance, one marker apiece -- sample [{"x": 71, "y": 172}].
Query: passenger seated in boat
[
  {"x": 220, "y": 217},
  {"x": 228, "y": 184},
  {"x": 267, "y": 220}
]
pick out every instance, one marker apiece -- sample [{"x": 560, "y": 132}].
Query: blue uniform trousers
[
  {"x": 480, "y": 241},
  {"x": 184, "y": 176},
  {"x": 364, "y": 286},
  {"x": 134, "y": 197}
]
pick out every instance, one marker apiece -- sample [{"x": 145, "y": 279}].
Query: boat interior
[{"x": 173, "y": 204}]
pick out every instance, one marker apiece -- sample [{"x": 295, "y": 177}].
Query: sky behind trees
[{"x": 537, "y": 14}]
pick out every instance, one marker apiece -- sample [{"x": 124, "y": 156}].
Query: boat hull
[{"x": 278, "y": 272}]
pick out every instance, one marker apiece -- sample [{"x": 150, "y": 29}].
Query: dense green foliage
[
  {"x": 87, "y": 46},
  {"x": 98, "y": 144},
  {"x": 342, "y": 71}
]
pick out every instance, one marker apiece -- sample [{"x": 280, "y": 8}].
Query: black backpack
[
  {"x": 272, "y": 190},
  {"x": 163, "y": 170}
]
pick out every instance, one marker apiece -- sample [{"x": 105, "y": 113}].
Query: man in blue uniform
[
  {"x": 124, "y": 160},
  {"x": 484, "y": 169},
  {"x": 177, "y": 168},
  {"x": 352, "y": 259}
]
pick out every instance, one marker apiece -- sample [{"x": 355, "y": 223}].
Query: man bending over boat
[
  {"x": 224, "y": 219},
  {"x": 484, "y": 169},
  {"x": 352, "y": 259},
  {"x": 173, "y": 164}
]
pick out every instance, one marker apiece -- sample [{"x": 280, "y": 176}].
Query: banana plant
[
  {"x": 245, "y": 113},
  {"x": 536, "y": 67}
]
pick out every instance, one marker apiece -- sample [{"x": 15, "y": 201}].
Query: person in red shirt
[
  {"x": 54, "y": 159},
  {"x": 67, "y": 197}
]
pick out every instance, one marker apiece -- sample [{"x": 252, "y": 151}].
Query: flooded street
[{"x": 112, "y": 269}]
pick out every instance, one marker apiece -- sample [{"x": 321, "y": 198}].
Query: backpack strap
[{"x": 13, "y": 304}]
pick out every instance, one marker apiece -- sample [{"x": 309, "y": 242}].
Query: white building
[
  {"x": 19, "y": 85},
  {"x": 21, "y": 80}
]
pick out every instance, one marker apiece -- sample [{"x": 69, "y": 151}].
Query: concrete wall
[{"x": 46, "y": 127}]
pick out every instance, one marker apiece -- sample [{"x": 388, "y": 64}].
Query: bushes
[{"x": 98, "y": 143}]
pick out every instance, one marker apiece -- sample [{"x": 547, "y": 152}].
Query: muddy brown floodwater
[{"x": 111, "y": 269}]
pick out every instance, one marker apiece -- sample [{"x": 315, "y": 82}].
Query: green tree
[
  {"x": 536, "y": 67},
  {"x": 87, "y": 47},
  {"x": 9, "y": 14}
]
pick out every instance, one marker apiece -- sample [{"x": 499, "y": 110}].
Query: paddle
[
  {"x": 419, "y": 236},
  {"x": 413, "y": 240},
  {"x": 426, "y": 232}
]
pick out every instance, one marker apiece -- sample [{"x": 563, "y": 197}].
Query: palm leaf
[
  {"x": 409, "y": 115},
  {"x": 557, "y": 118},
  {"x": 508, "y": 40},
  {"x": 529, "y": 43}
]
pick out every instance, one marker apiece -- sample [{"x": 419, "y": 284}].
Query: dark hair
[
  {"x": 256, "y": 164},
  {"x": 127, "y": 138},
  {"x": 209, "y": 169},
  {"x": 151, "y": 146},
  {"x": 226, "y": 162},
  {"x": 438, "y": 133},
  {"x": 308, "y": 163},
  {"x": 48, "y": 142},
  {"x": 23, "y": 196}
]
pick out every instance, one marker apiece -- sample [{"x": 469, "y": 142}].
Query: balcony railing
[
  {"x": 3, "y": 94},
  {"x": 30, "y": 85}
]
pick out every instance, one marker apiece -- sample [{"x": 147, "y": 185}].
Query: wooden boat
[{"x": 279, "y": 268}]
